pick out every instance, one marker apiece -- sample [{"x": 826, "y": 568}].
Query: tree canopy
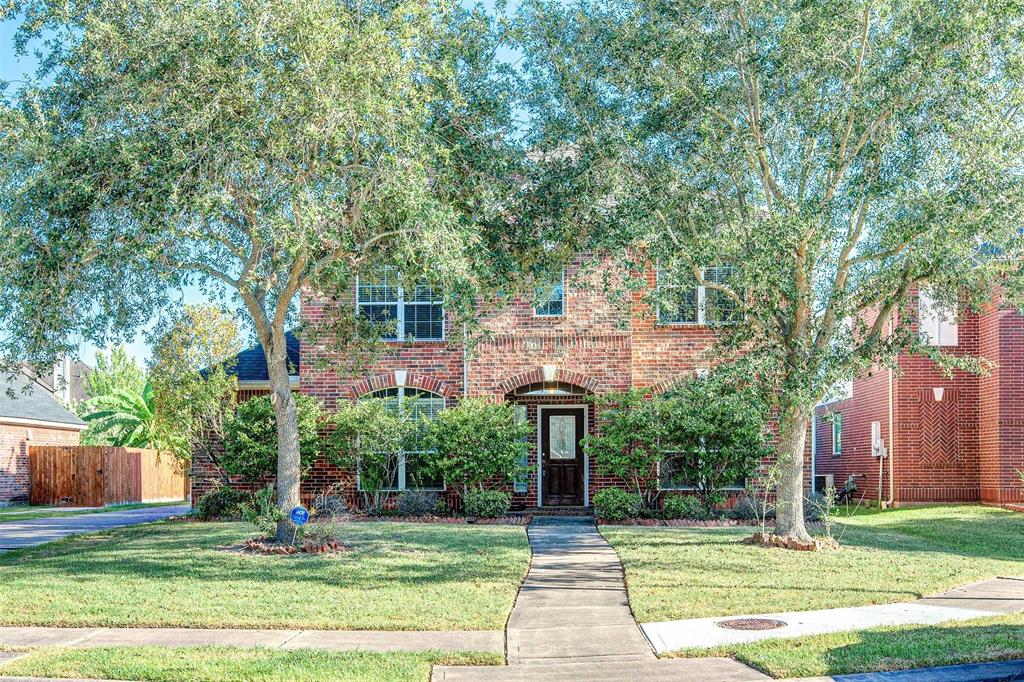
[{"x": 810, "y": 165}]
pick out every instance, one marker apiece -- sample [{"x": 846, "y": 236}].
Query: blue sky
[{"x": 15, "y": 68}]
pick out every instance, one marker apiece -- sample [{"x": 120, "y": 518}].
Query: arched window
[{"x": 410, "y": 474}]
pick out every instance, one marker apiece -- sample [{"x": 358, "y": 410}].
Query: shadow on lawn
[
  {"x": 421, "y": 555},
  {"x": 921, "y": 647}
]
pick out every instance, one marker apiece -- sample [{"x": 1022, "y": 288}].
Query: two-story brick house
[
  {"x": 549, "y": 357},
  {"x": 946, "y": 439}
]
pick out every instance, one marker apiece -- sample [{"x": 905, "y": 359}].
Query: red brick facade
[
  {"x": 965, "y": 447},
  {"x": 14, "y": 442},
  {"x": 597, "y": 346}
]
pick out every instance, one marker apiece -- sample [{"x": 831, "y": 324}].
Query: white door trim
[{"x": 540, "y": 456}]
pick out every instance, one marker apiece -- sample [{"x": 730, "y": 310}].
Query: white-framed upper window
[
  {"x": 551, "y": 298},
  {"x": 410, "y": 474},
  {"x": 837, "y": 434},
  {"x": 683, "y": 301},
  {"x": 415, "y": 314},
  {"x": 936, "y": 323}
]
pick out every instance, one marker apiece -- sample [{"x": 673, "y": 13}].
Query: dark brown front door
[{"x": 561, "y": 431}]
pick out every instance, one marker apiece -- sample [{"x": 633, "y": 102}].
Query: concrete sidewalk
[
  {"x": 331, "y": 640},
  {"x": 32, "y": 532},
  {"x": 977, "y": 600},
  {"x": 572, "y": 619}
]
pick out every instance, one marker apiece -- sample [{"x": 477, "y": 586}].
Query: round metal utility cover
[{"x": 751, "y": 624}]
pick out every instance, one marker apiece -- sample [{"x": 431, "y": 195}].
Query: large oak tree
[
  {"x": 834, "y": 157},
  {"x": 262, "y": 146}
]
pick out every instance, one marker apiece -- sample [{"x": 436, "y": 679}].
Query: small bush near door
[
  {"x": 417, "y": 502},
  {"x": 615, "y": 504},
  {"x": 486, "y": 504}
]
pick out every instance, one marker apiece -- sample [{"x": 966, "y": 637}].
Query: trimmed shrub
[
  {"x": 683, "y": 507},
  {"x": 615, "y": 504},
  {"x": 417, "y": 502},
  {"x": 250, "y": 437},
  {"x": 222, "y": 502},
  {"x": 749, "y": 508},
  {"x": 486, "y": 504}
]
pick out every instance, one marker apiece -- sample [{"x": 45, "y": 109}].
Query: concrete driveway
[{"x": 31, "y": 532}]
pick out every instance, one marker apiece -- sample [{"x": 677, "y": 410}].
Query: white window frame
[
  {"x": 564, "y": 300},
  {"x": 837, "y": 428},
  {"x": 701, "y": 304},
  {"x": 400, "y": 476},
  {"x": 937, "y": 325},
  {"x": 400, "y": 306},
  {"x": 683, "y": 488}
]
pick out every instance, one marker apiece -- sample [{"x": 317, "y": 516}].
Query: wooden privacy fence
[{"x": 93, "y": 476}]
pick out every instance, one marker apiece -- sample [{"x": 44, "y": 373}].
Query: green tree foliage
[
  {"x": 477, "y": 442},
  {"x": 713, "y": 434},
  {"x": 192, "y": 373},
  {"x": 626, "y": 443},
  {"x": 833, "y": 157},
  {"x": 256, "y": 148},
  {"x": 112, "y": 372},
  {"x": 250, "y": 437},
  {"x": 367, "y": 437},
  {"x": 126, "y": 419}
]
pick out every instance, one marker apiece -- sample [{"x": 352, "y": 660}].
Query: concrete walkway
[
  {"x": 572, "y": 619},
  {"x": 977, "y": 600},
  {"x": 332, "y": 640},
  {"x": 32, "y": 532}
]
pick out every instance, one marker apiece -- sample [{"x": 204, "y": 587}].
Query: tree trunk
[
  {"x": 789, "y": 500},
  {"x": 288, "y": 466}
]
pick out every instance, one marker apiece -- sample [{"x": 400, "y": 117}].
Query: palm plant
[{"x": 125, "y": 418}]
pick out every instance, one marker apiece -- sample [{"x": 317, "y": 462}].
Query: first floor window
[
  {"x": 409, "y": 471},
  {"x": 837, "y": 433},
  {"x": 519, "y": 485},
  {"x": 403, "y": 314},
  {"x": 672, "y": 474}
]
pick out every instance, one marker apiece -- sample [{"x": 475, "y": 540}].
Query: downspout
[
  {"x": 892, "y": 439},
  {"x": 814, "y": 447}
]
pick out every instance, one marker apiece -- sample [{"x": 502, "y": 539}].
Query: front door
[{"x": 561, "y": 431}]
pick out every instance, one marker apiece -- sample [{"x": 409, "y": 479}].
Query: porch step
[{"x": 558, "y": 511}]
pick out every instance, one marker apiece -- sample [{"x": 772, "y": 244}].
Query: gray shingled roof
[
  {"x": 33, "y": 402},
  {"x": 251, "y": 364}
]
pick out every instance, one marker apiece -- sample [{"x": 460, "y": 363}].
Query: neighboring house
[
  {"x": 548, "y": 359},
  {"x": 67, "y": 381},
  {"x": 957, "y": 439},
  {"x": 29, "y": 415}
]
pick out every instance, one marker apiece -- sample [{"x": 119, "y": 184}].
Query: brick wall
[
  {"x": 962, "y": 448},
  {"x": 14, "y": 470}
]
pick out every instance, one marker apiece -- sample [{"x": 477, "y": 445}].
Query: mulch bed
[
  {"x": 695, "y": 523},
  {"x": 510, "y": 520},
  {"x": 253, "y": 546},
  {"x": 770, "y": 541}
]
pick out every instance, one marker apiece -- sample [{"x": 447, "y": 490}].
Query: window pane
[
  {"x": 519, "y": 485},
  {"x": 678, "y": 306},
  {"x": 562, "y": 437},
  {"x": 718, "y": 307},
  {"x": 392, "y": 479},
  {"x": 416, "y": 475},
  {"x": 423, "y": 293},
  {"x": 379, "y": 288},
  {"x": 424, "y": 322},
  {"x": 672, "y": 478},
  {"x": 551, "y": 299},
  {"x": 386, "y": 316}
]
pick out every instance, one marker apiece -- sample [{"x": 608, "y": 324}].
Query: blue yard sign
[{"x": 300, "y": 515}]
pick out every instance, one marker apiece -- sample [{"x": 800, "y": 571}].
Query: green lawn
[
  {"x": 24, "y": 512},
  {"x": 678, "y": 573},
  {"x": 223, "y": 664},
  {"x": 398, "y": 577},
  {"x": 985, "y": 639}
]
